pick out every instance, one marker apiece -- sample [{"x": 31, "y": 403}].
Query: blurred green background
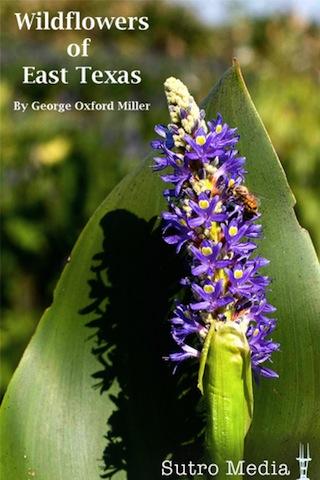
[{"x": 57, "y": 168}]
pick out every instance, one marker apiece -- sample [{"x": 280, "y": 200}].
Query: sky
[{"x": 218, "y": 11}]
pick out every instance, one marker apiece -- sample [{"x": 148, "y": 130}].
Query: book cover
[{"x": 160, "y": 290}]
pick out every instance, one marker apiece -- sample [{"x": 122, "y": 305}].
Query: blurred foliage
[{"x": 57, "y": 167}]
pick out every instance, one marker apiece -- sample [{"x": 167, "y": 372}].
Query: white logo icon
[{"x": 304, "y": 461}]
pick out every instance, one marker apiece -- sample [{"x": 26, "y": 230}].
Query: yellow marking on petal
[
  {"x": 204, "y": 204},
  {"x": 238, "y": 274},
  {"x": 231, "y": 182},
  {"x": 233, "y": 231},
  {"x": 182, "y": 222},
  {"x": 218, "y": 128},
  {"x": 256, "y": 332},
  {"x": 206, "y": 251},
  {"x": 208, "y": 289},
  {"x": 200, "y": 140}
]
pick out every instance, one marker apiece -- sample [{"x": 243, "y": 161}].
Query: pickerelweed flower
[{"x": 212, "y": 216}]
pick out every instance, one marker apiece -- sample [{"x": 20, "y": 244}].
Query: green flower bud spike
[{"x": 225, "y": 381}]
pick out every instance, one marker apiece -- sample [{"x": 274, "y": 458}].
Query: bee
[{"x": 245, "y": 198}]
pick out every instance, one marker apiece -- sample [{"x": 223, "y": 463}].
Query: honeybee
[{"x": 246, "y": 198}]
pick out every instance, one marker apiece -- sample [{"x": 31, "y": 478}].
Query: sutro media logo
[{"x": 304, "y": 459}]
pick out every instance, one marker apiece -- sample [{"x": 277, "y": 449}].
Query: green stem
[{"x": 227, "y": 390}]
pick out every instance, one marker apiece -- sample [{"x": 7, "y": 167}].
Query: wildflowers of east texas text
[{"x": 73, "y": 20}]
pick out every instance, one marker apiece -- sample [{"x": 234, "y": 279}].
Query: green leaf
[{"x": 107, "y": 325}]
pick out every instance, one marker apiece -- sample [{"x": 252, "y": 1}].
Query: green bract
[{"x": 227, "y": 388}]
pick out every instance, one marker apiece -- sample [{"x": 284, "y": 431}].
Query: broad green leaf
[{"x": 107, "y": 324}]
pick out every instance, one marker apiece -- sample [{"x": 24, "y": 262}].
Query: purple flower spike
[{"x": 212, "y": 217}]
